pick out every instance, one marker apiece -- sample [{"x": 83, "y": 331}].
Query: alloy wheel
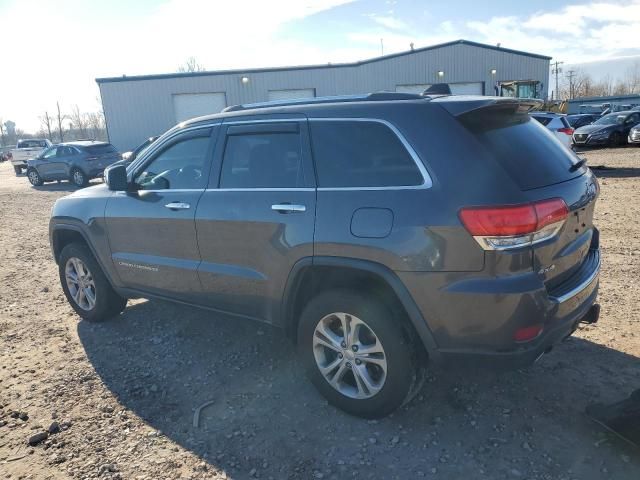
[
  {"x": 80, "y": 283},
  {"x": 33, "y": 177},
  {"x": 78, "y": 178},
  {"x": 349, "y": 355}
]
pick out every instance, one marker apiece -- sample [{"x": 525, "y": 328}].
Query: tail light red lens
[
  {"x": 513, "y": 226},
  {"x": 567, "y": 131},
  {"x": 527, "y": 334}
]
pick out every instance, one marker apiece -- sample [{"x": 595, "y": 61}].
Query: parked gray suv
[
  {"x": 382, "y": 233},
  {"x": 78, "y": 162}
]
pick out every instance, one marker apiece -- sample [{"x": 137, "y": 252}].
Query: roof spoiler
[{"x": 461, "y": 105}]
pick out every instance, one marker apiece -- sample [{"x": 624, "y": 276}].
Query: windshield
[{"x": 610, "y": 119}]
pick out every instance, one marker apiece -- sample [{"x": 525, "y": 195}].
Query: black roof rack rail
[{"x": 371, "y": 97}]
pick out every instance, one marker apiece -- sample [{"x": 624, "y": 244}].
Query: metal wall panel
[{"x": 137, "y": 108}]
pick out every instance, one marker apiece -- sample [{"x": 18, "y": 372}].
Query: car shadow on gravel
[
  {"x": 63, "y": 186},
  {"x": 162, "y": 361}
]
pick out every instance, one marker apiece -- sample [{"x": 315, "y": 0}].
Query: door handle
[
  {"x": 178, "y": 206},
  {"x": 288, "y": 208}
]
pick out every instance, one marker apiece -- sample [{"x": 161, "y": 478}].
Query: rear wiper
[{"x": 577, "y": 165}]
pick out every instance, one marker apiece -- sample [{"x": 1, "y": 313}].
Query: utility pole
[
  {"x": 381, "y": 47},
  {"x": 556, "y": 69},
  {"x": 570, "y": 75}
]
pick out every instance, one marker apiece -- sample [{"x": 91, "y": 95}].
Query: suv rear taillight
[
  {"x": 515, "y": 226},
  {"x": 567, "y": 131}
]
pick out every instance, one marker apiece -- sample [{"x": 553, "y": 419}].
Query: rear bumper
[
  {"x": 19, "y": 163},
  {"x": 474, "y": 320}
]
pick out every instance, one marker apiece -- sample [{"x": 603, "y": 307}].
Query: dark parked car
[
  {"x": 611, "y": 129},
  {"x": 382, "y": 233},
  {"x": 581, "y": 119},
  {"x": 634, "y": 135},
  {"x": 77, "y": 162}
]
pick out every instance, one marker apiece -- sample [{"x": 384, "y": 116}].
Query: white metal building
[{"x": 141, "y": 106}]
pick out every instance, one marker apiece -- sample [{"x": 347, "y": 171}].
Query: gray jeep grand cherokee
[{"x": 382, "y": 233}]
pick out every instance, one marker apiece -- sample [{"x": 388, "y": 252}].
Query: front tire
[
  {"x": 356, "y": 353},
  {"x": 85, "y": 285},
  {"x": 34, "y": 177},
  {"x": 78, "y": 178}
]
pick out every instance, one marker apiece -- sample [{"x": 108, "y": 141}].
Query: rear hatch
[
  {"x": 102, "y": 154},
  {"x": 543, "y": 169}
]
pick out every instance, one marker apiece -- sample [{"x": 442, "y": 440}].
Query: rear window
[
  {"x": 101, "y": 149},
  {"x": 361, "y": 154},
  {"x": 530, "y": 154},
  {"x": 32, "y": 144}
]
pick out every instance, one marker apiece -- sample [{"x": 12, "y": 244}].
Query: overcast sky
[{"x": 54, "y": 49}]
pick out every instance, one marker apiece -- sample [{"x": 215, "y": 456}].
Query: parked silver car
[{"x": 77, "y": 162}]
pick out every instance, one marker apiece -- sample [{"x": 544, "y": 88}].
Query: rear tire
[
  {"x": 85, "y": 285},
  {"x": 368, "y": 385},
  {"x": 78, "y": 178},
  {"x": 34, "y": 177},
  {"x": 17, "y": 169}
]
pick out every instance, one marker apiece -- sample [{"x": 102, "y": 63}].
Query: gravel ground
[{"x": 121, "y": 395}]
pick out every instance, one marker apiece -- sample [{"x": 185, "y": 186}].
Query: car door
[
  {"x": 60, "y": 164},
  {"x": 46, "y": 163},
  {"x": 632, "y": 121},
  {"x": 151, "y": 229},
  {"x": 256, "y": 219}
]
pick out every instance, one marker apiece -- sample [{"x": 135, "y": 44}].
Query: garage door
[
  {"x": 470, "y": 88},
  {"x": 189, "y": 105},
  {"x": 292, "y": 94},
  {"x": 466, "y": 88},
  {"x": 417, "y": 88}
]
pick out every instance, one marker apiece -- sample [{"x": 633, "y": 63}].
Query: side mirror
[{"x": 116, "y": 178}]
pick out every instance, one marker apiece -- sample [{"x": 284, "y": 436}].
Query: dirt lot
[{"x": 124, "y": 392}]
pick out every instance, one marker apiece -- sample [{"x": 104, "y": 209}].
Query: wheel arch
[{"x": 313, "y": 275}]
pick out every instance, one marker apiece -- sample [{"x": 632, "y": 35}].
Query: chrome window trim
[
  {"x": 263, "y": 189},
  {"x": 266, "y": 120},
  {"x": 427, "y": 182}
]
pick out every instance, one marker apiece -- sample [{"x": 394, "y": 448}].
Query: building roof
[{"x": 161, "y": 76}]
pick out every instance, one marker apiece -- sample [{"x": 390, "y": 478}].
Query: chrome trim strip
[
  {"x": 266, "y": 120},
  {"x": 275, "y": 189},
  {"x": 426, "y": 178},
  {"x": 584, "y": 285}
]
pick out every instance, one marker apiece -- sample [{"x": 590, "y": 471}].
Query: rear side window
[
  {"x": 101, "y": 149},
  {"x": 543, "y": 120},
  {"x": 361, "y": 154},
  {"x": 529, "y": 153},
  {"x": 32, "y": 144},
  {"x": 262, "y": 160}
]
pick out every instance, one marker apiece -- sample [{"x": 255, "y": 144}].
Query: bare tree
[
  {"x": 61, "y": 117},
  {"x": 3, "y": 133},
  {"x": 96, "y": 123},
  {"x": 191, "y": 65},
  {"x": 632, "y": 78},
  {"x": 46, "y": 122},
  {"x": 78, "y": 121}
]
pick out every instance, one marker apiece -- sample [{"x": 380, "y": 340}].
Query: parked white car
[
  {"x": 27, "y": 149},
  {"x": 558, "y": 124}
]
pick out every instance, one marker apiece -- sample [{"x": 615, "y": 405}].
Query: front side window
[
  {"x": 262, "y": 160},
  {"x": 181, "y": 165},
  {"x": 361, "y": 154}
]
